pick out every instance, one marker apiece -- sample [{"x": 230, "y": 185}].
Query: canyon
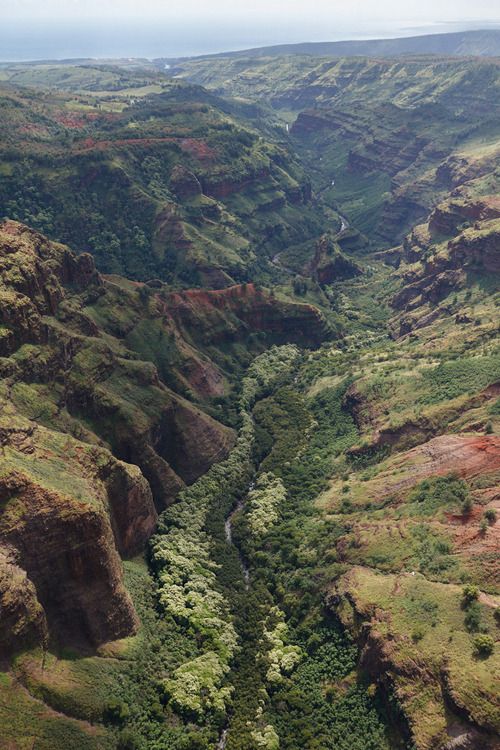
[{"x": 249, "y": 403}]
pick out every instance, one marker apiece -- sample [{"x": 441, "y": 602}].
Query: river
[{"x": 228, "y": 528}]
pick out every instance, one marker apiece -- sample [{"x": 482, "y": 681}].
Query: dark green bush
[
  {"x": 472, "y": 617},
  {"x": 116, "y": 712},
  {"x": 484, "y": 645}
]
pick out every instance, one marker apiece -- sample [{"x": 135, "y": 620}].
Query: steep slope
[
  {"x": 386, "y": 454},
  {"x": 332, "y": 581}
]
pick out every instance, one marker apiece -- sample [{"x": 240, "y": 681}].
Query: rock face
[
  {"x": 69, "y": 511},
  {"x": 330, "y": 264},
  {"x": 478, "y": 248},
  {"x": 460, "y": 237},
  {"x": 218, "y": 188},
  {"x": 22, "y": 618},
  {"x": 229, "y": 315},
  {"x": 67, "y": 551},
  {"x": 447, "y": 218}
]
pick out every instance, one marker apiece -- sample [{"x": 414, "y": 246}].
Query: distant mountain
[{"x": 485, "y": 43}]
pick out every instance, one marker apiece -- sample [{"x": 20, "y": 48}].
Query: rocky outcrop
[
  {"x": 33, "y": 272},
  {"x": 432, "y": 288},
  {"x": 443, "y": 264},
  {"x": 190, "y": 442},
  {"x": 131, "y": 507},
  {"x": 69, "y": 510},
  {"x": 229, "y": 315},
  {"x": 312, "y": 122},
  {"x": 457, "y": 169},
  {"x": 449, "y": 217},
  {"x": 478, "y": 248},
  {"x": 222, "y": 186},
  {"x": 66, "y": 549},
  {"x": 330, "y": 264},
  {"x": 38, "y": 269},
  {"x": 22, "y": 619}
]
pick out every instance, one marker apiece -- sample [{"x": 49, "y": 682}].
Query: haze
[{"x": 79, "y": 28}]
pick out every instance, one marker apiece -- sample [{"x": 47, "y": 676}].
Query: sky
[
  {"x": 30, "y": 29},
  {"x": 430, "y": 11}
]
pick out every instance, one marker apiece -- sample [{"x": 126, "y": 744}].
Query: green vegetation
[
  {"x": 264, "y": 503},
  {"x": 354, "y": 508},
  {"x": 126, "y": 184},
  {"x": 187, "y": 577},
  {"x": 484, "y": 645},
  {"x": 432, "y": 494},
  {"x": 466, "y": 375}
]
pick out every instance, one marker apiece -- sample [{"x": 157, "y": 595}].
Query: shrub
[
  {"x": 472, "y": 617},
  {"x": 264, "y": 502},
  {"x": 484, "y": 645},
  {"x": 470, "y": 594},
  {"x": 116, "y": 712},
  {"x": 437, "y": 492},
  {"x": 128, "y": 740},
  {"x": 490, "y": 515},
  {"x": 467, "y": 506},
  {"x": 197, "y": 686},
  {"x": 417, "y": 634}
]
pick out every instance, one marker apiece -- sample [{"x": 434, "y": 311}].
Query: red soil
[
  {"x": 71, "y": 120},
  {"x": 466, "y": 455},
  {"x": 199, "y": 149}
]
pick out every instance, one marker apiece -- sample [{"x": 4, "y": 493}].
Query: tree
[
  {"x": 484, "y": 645},
  {"x": 470, "y": 594},
  {"x": 128, "y": 740}
]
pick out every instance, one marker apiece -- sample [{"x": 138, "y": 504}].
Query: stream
[
  {"x": 221, "y": 744},
  {"x": 228, "y": 529}
]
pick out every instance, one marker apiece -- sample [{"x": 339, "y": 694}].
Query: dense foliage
[{"x": 181, "y": 553}]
